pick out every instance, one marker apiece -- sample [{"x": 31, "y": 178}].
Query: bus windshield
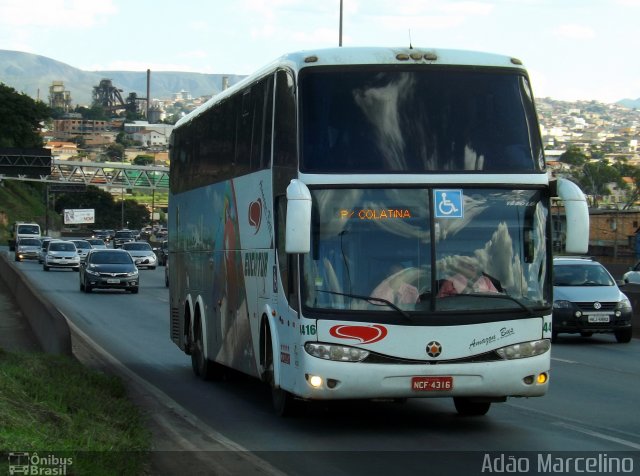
[
  {"x": 387, "y": 245},
  {"x": 417, "y": 120}
]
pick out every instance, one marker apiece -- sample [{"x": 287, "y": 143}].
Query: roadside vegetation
[{"x": 52, "y": 405}]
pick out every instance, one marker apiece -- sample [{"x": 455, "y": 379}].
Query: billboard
[{"x": 79, "y": 216}]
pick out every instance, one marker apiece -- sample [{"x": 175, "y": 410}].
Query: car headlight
[
  {"x": 524, "y": 349},
  {"x": 624, "y": 305},
  {"x": 341, "y": 353},
  {"x": 132, "y": 273},
  {"x": 92, "y": 272},
  {"x": 562, "y": 304}
]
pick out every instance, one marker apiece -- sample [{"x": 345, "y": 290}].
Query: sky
[{"x": 573, "y": 49}]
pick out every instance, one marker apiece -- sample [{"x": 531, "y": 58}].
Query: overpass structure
[{"x": 108, "y": 175}]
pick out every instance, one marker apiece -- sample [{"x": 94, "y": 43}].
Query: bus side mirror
[
  {"x": 298, "y": 226},
  {"x": 577, "y": 215}
]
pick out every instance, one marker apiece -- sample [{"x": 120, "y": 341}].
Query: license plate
[
  {"x": 430, "y": 384},
  {"x": 113, "y": 281},
  {"x": 598, "y": 318}
]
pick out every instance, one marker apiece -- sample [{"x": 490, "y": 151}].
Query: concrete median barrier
[{"x": 47, "y": 323}]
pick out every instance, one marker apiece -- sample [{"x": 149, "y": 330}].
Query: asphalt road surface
[{"x": 591, "y": 409}]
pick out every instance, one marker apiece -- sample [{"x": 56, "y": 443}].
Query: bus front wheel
[
  {"x": 469, "y": 407},
  {"x": 284, "y": 403}
]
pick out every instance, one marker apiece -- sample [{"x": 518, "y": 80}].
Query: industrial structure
[{"x": 59, "y": 98}]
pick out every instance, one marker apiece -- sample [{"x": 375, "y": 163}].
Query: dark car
[
  {"x": 587, "y": 300},
  {"x": 103, "y": 235},
  {"x": 109, "y": 269},
  {"x": 163, "y": 252},
  {"x": 123, "y": 236}
]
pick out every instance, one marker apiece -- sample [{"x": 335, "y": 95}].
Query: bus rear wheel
[
  {"x": 469, "y": 407},
  {"x": 204, "y": 368}
]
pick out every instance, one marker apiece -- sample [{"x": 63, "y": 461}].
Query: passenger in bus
[
  {"x": 467, "y": 279},
  {"x": 396, "y": 287}
]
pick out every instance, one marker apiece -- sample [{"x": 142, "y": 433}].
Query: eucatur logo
[
  {"x": 364, "y": 334},
  {"x": 255, "y": 214}
]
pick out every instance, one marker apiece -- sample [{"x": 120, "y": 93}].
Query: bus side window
[
  {"x": 284, "y": 140},
  {"x": 287, "y": 263}
]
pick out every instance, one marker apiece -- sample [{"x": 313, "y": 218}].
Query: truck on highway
[{"x": 23, "y": 230}]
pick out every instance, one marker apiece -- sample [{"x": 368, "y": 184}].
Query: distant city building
[
  {"x": 150, "y": 138},
  {"x": 76, "y": 127},
  {"x": 62, "y": 150},
  {"x": 182, "y": 96}
]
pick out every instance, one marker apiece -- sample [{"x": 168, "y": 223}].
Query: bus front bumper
[{"x": 329, "y": 380}]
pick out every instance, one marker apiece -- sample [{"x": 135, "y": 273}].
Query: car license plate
[
  {"x": 113, "y": 281},
  {"x": 597, "y": 318},
  {"x": 430, "y": 384}
]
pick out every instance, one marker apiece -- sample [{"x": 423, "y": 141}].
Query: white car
[
  {"x": 61, "y": 254},
  {"x": 83, "y": 247},
  {"x": 142, "y": 254}
]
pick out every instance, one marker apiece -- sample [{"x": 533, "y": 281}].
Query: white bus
[{"x": 360, "y": 223}]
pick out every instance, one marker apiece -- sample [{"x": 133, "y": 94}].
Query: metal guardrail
[{"x": 102, "y": 174}]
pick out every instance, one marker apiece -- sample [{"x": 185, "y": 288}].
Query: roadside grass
[{"x": 52, "y": 405}]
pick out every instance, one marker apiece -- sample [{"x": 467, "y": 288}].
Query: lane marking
[
  {"x": 566, "y": 361},
  {"x": 581, "y": 429},
  {"x": 597, "y": 434}
]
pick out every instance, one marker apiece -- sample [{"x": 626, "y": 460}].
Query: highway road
[{"x": 591, "y": 408}]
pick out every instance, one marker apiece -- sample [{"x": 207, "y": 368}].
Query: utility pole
[{"x": 340, "y": 34}]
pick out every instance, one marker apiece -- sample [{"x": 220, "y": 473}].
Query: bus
[{"x": 369, "y": 223}]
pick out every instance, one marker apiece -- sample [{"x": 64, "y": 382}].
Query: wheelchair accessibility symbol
[{"x": 448, "y": 203}]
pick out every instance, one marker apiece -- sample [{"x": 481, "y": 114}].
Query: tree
[
  {"x": 20, "y": 118},
  {"x": 115, "y": 152},
  {"x": 573, "y": 156},
  {"x": 95, "y": 113},
  {"x": 143, "y": 160},
  {"x": 108, "y": 212},
  {"x": 594, "y": 178},
  {"x": 123, "y": 138}
]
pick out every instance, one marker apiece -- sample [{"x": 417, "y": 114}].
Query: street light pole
[
  {"x": 340, "y": 35},
  {"x": 122, "y": 208}
]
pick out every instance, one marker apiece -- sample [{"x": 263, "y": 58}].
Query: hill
[
  {"x": 33, "y": 74},
  {"x": 630, "y": 103}
]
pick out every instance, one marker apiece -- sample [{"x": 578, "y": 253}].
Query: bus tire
[
  {"x": 204, "y": 368},
  {"x": 470, "y": 407},
  {"x": 284, "y": 403}
]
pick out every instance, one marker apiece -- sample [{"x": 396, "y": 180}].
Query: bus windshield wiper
[
  {"x": 494, "y": 296},
  {"x": 370, "y": 298}
]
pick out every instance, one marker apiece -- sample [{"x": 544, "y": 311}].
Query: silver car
[
  {"x": 61, "y": 254},
  {"x": 587, "y": 300},
  {"x": 142, "y": 254},
  {"x": 28, "y": 248}
]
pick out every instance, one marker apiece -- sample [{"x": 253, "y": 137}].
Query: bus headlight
[
  {"x": 524, "y": 349},
  {"x": 340, "y": 353}
]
